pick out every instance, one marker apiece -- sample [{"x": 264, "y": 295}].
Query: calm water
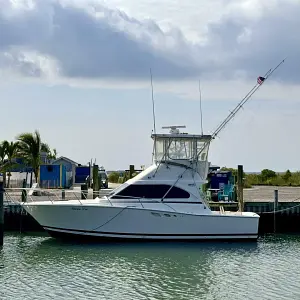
[{"x": 35, "y": 267}]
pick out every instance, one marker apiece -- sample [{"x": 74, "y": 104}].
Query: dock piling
[
  {"x": 84, "y": 191},
  {"x": 96, "y": 183},
  {"x": 275, "y": 208},
  {"x": 131, "y": 171},
  {"x": 24, "y": 192},
  {"x": 1, "y": 213},
  {"x": 240, "y": 182}
]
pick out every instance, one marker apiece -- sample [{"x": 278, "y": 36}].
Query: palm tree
[
  {"x": 3, "y": 146},
  {"x": 2, "y": 152},
  {"x": 11, "y": 152},
  {"x": 31, "y": 146},
  {"x": 45, "y": 148},
  {"x": 51, "y": 154},
  {"x": 54, "y": 154}
]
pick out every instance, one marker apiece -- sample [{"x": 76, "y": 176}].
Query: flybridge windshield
[{"x": 180, "y": 149}]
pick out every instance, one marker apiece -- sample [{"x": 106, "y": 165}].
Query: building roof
[
  {"x": 214, "y": 167},
  {"x": 66, "y": 159}
]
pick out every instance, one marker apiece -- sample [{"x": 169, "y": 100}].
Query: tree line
[
  {"x": 265, "y": 177},
  {"x": 116, "y": 177},
  {"x": 269, "y": 177},
  {"x": 27, "y": 146}
]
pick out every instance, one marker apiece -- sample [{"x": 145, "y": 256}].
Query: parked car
[{"x": 103, "y": 178}]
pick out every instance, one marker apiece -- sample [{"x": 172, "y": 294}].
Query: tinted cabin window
[{"x": 151, "y": 191}]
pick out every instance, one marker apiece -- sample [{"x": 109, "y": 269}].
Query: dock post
[
  {"x": 31, "y": 180},
  {"x": 63, "y": 194},
  {"x": 275, "y": 208},
  {"x": 96, "y": 183},
  {"x": 84, "y": 191},
  {"x": 1, "y": 212},
  {"x": 131, "y": 171},
  {"x": 24, "y": 192},
  {"x": 240, "y": 182}
]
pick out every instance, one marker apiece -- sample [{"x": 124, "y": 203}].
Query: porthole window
[{"x": 156, "y": 214}]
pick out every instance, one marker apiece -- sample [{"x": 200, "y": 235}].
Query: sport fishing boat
[{"x": 163, "y": 202}]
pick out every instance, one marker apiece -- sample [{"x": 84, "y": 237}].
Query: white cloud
[
  {"x": 92, "y": 42},
  {"x": 88, "y": 41}
]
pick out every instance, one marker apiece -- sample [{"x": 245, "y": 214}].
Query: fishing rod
[{"x": 260, "y": 81}]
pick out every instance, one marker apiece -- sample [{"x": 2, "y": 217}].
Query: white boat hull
[{"x": 113, "y": 222}]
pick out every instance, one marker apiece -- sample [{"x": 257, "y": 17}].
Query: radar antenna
[{"x": 174, "y": 129}]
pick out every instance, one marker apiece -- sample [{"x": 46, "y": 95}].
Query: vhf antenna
[
  {"x": 153, "y": 106},
  {"x": 153, "y": 112},
  {"x": 200, "y": 102}
]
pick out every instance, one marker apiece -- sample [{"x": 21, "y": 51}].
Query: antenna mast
[
  {"x": 200, "y": 98},
  {"x": 153, "y": 112},
  {"x": 153, "y": 107}
]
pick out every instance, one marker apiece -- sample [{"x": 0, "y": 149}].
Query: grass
[{"x": 286, "y": 179}]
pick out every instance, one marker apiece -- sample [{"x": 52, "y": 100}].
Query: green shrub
[
  {"x": 121, "y": 179},
  {"x": 270, "y": 177},
  {"x": 113, "y": 177}
]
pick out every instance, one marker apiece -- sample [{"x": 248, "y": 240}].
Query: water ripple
[{"x": 35, "y": 267}]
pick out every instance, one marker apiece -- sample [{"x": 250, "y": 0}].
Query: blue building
[
  {"x": 53, "y": 176},
  {"x": 70, "y": 166},
  {"x": 83, "y": 173}
]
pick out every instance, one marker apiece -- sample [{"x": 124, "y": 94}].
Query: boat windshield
[
  {"x": 119, "y": 188},
  {"x": 180, "y": 149}
]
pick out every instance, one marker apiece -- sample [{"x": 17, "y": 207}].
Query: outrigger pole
[{"x": 260, "y": 81}]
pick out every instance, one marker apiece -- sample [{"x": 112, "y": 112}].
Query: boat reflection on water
[{"x": 155, "y": 269}]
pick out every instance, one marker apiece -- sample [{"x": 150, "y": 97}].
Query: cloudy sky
[{"x": 78, "y": 71}]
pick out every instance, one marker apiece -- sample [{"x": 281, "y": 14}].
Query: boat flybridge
[{"x": 163, "y": 202}]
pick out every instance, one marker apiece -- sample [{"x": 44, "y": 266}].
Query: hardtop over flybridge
[
  {"x": 176, "y": 163},
  {"x": 190, "y": 150},
  {"x": 163, "y": 202}
]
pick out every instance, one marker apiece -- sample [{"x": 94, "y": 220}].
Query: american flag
[{"x": 260, "y": 79}]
